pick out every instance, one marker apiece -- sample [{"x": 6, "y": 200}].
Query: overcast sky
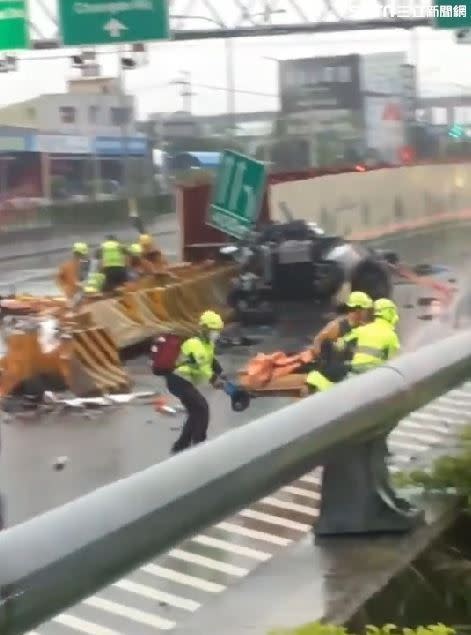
[{"x": 441, "y": 62}]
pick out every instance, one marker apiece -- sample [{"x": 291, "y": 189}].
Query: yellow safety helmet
[
  {"x": 386, "y": 310},
  {"x": 146, "y": 241},
  {"x": 135, "y": 249},
  {"x": 80, "y": 248},
  {"x": 359, "y": 300},
  {"x": 211, "y": 320}
]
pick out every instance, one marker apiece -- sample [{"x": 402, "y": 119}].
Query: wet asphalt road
[{"x": 115, "y": 443}]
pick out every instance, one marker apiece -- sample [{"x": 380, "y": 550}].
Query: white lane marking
[
  {"x": 299, "y": 491},
  {"x": 428, "y": 439},
  {"x": 160, "y": 596},
  {"x": 225, "y": 545},
  {"x": 461, "y": 393},
  {"x": 275, "y": 520},
  {"x": 209, "y": 563},
  {"x": 149, "y": 619},
  {"x": 454, "y": 411},
  {"x": 183, "y": 578},
  {"x": 254, "y": 534},
  {"x": 443, "y": 428},
  {"x": 293, "y": 507},
  {"x": 407, "y": 446},
  {"x": 310, "y": 478},
  {"x": 83, "y": 626},
  {"x": 451, "y": 421},
  {"x": 465, "y": 403}
]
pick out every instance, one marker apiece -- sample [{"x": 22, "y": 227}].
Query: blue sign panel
[
  {"x": 15, "y": 143},
  {"x": 117, "y": 146}
]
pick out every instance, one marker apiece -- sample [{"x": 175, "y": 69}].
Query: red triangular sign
[{"x": 392, "y": 112}]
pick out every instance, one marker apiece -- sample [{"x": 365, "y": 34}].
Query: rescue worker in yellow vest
[
  {"x": 377, "y": 342},
  {"x": 113, "y": 258},
  {"x": 196, "y": 366},
  {"x": 331, "y": 351},
  {"x": 358, "y": 306},
  {"x": 95, "y": 283}
]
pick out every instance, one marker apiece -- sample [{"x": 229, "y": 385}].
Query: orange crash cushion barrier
[
  {"x": 87, "y": 362},
  {"x": 135, "y": 316}
]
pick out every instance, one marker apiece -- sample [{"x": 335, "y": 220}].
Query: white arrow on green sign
[
  {"x": 237, "y": 195},
  {"x": 112, "y": 21},
  {"x": 14, "y": 27}
]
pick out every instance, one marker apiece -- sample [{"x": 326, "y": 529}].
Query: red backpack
[{"x": 164, "y": 353}]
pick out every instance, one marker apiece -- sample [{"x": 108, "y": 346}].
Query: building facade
[{"x": 90, "y": 107}]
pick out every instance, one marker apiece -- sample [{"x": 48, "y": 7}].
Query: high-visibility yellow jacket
[
  {"x": 112, "y": 254},
  {"x": 95, "y": 283},
  {"x": 196, "y": 362},
  {"x": 319, "y": 382},
  {"x": 375, "y": 343}
]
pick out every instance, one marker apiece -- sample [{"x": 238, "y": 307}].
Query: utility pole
[
  {"x": 186, "y": 91},
  {"x": 125, "y": 121},
  {"x": 230, "y": 84}
]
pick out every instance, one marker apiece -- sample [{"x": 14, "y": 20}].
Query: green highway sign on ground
[
  {"x": 14, "y": 25},
  {"x": 451, "y": 14},
  {"x": 112, "y": 21},
  {"x": 237, "y": 195}
]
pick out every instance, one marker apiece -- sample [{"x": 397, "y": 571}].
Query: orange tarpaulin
[{"x": 263, "y": 368}]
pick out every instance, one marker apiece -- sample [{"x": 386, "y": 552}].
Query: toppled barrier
[
  {"x": 94, "y": 365},
  {"x": 138, "y": 315},
  {"x": 84, "y": 353},
  {"x": 85, "y": 361}
]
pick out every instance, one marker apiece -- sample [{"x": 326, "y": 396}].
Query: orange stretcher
[{"x": 275, "y": 372}]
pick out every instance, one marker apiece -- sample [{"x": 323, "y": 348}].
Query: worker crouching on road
[
  {"x": 331, "y": 350},
  {"x": 73, "y": 272},
  {"x": 196, "y": 365},
  {"x": 359, "y": 306},
  {"x": 377, "y": 342},
  {"x": 113, "y": 256}
]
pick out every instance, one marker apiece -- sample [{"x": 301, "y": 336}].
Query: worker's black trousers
[
  {"x": 196, "y": 425},
  {"x": 114, "y": 277}
]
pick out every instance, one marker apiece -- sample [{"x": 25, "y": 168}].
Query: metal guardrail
[{"x": 57, "y": 559}]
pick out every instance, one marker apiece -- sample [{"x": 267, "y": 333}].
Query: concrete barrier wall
[
  {"x": 52, "y": 229},
  {"x": 367, "y": 205}
]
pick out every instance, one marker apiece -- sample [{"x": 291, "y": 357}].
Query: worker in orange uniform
[
  {"x": 138, "y": 266},
  {"x": 73, "y": 272},
  {"x": 152, "y": 253}
]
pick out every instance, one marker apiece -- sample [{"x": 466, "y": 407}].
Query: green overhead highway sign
[
  {"x": 451, "y": 14},
  {"x": 238, "y": 194},
  {"x": 112, "y": 21},
  {"x": 14, "y": 25}
]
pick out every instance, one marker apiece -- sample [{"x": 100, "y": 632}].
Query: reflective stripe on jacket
[
  {"x": 375, "y": 343},
  {"x": 196, "y": 360},
  {"x": 112, "y": 254}
]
